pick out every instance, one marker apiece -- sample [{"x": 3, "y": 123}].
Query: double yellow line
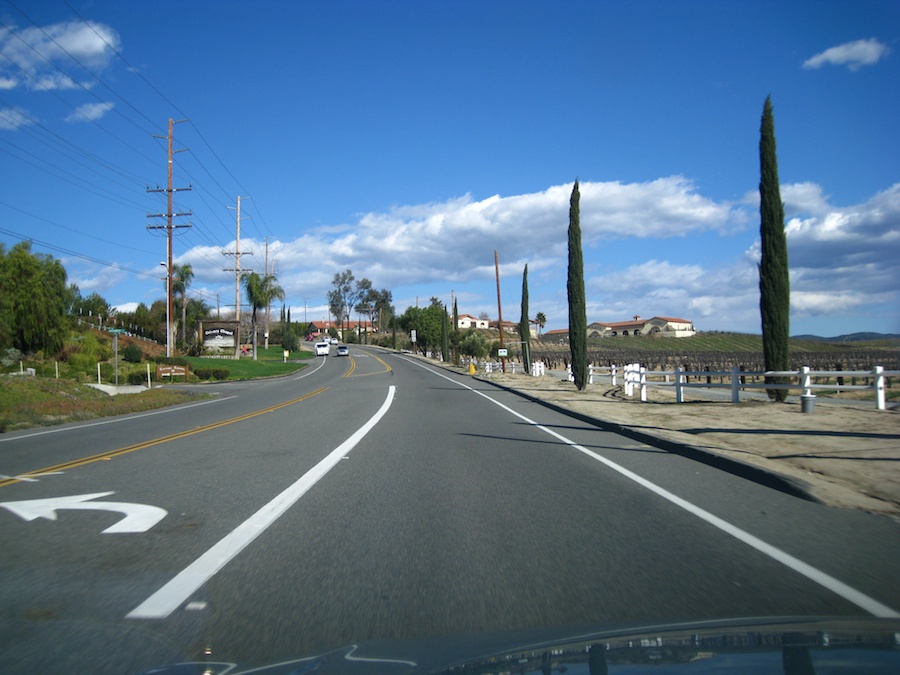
[
  {"x": 156, "y": 441},
  {"x": 349, "y": 373}
]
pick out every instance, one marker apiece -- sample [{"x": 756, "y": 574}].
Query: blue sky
[{"x": 407, "y": 141}]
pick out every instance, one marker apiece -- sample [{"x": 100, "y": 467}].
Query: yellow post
[{"x": 471, "y": 369}]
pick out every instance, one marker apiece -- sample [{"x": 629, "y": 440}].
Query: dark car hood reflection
[{"x": 801, "y": 646}]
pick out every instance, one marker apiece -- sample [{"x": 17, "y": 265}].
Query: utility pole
[
  {"x": 499, "y": 309},
  {"x": 169, "y": 227},
  {"x": 237, "y": 253},
  {"x": 267, "y": 303}
]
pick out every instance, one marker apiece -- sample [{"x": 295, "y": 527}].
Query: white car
[
  {"x": 322, "y": 348},
  {"x": 334, "y": 341}
]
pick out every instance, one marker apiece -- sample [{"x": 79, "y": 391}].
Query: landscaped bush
[
  {"x": 221, "y": 373},
  {"x": 172, "y": 360},
  {"x": 137, "y": 377},
  {"x": 203, "y": 373},
  {"x": 132, "y": 353}
]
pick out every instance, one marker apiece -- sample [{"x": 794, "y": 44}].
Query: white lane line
[
  {"x": 115, "y": 420},
  {"x": 168, "y": 598},
  {"x": 310, "y": 372},
  {"x": 827, "y": 581}
]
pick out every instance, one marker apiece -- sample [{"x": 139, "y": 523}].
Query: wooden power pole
[{"x": 169, "y": 227}]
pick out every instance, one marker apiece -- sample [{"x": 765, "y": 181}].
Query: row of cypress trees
[{"x": 774, "y": 282}]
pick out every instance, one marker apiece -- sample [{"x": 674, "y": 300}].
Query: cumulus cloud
[
  {"x": 89, "y": 112},
  {"x": 38, "y": 54},
  {"x": 12, "y": 118},
  {"x": 842, "y": 257},
  {"x": 854, "y": 55},
  {"x": 635, "y": 260},
  {"x": 440, "y": 240}
]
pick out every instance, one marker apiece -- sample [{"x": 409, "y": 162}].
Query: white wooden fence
[{"x": 636, "y": 378}]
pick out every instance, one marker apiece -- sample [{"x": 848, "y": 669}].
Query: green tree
[
  {"x": 343, "y": 297},
  {"x": 445, "y": 336},
  {"x": 774, "y": 281},
  {"x": 473, "y": 344},
  {"x": 454, "y": 334},
  {"x": 260, "y": 292},
  {"x": 182, "y": 275},
  {"x": 94, "y": 305},
  {"x": 541, "y": 319},
  {"x": 575, "y": 291},
  {"x": 33, "y": 301},
  {"x": 427, "y": 324},
  {"x": 525, "y": 324}
]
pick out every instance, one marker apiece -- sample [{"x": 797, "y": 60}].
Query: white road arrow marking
[{"x": 138, "y": 517}]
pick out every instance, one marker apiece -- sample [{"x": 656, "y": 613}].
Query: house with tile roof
[{"x": 658, "y": 326}]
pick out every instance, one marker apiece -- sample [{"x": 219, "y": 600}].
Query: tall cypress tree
[
  {"x": 445, "y": 335},
  {"x": 525, "y": 324},
  {"x": 575, "y": 290},
  {"x": 455, "y": 334},
  {"x": 774, "y": 281}
]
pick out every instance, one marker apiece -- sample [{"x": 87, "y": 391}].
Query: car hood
[{"x": 792, "y": 646}]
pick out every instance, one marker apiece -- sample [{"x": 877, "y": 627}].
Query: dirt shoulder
[{"x": 843, "y": 455}]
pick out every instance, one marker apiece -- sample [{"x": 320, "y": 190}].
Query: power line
[
  {"x": 60, "y": 249},
  {"x": 70, "y": 229}
]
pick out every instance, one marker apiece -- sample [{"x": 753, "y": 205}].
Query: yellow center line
[
  {"x": 387, "y": 368},
  {"x": 352, "y": 367},
  {"x": 157, "y": 441}
]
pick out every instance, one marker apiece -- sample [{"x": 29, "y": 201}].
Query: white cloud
[
  {"x": 854, "y": 55},
  {"x": 89, "y": 112},
  {"x": 39, "y": 54},
  {"x": 443, "y": 240},
  {"x": 11, "y": 119},
  {"x": 91, "y": 279},
  {"x": 845, "y": 254}
]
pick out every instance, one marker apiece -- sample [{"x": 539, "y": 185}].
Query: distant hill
[{"x": 852, "y": 337}]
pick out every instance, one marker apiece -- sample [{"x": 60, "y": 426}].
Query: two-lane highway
[{"x": 379, "y": 496}]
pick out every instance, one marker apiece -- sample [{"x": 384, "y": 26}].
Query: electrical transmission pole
[
  {"x": 169, "y": 227},
  {"x": 237, "y": 253}
]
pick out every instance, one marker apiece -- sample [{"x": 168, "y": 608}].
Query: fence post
[
  {"x": 878, "y": 372},
  {"x": 569, "y": 371},
  {"x": 590, "y": 373},
  {"x": 735, "y": 381},
  {"x": 615, "y": 371},
  {"x": 804, "y": 381},
  {"x": 679, "y": 388},
  {"x": 643, "y": 380}
]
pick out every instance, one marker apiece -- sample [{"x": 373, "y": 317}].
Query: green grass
[
  {"x": 27, "y": 402},
  {"x": 269, "y": 363}
]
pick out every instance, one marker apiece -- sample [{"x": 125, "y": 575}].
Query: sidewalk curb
[{"x": 757, "y": 474}]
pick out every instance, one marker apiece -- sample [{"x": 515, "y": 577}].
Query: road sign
[
  {"x": 502, "y": 352},
  {"x": 171, "y": 371},
  {"x": 138, "y": 517}
]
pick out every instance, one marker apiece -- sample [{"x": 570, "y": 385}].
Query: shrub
[
  {"x": 221, "y": 373},
  {"x": 290, "y": 341},
  {"x": 172, "y": 360},
  {"x": 137, "y": 377},
  {"x": 132, "y": 353},
  {"x": 203, "y": 373}
]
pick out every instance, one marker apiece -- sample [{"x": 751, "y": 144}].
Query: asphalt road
[{"x": 380, "y": 497}]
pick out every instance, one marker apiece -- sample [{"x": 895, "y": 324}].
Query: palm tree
[
  {"x": 181, "y": 279},
  {"x": 541, "y": 320},
  {"x": 260, "y": 292}
]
